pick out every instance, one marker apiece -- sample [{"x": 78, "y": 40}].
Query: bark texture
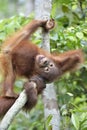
[{"x": 42, "y": 10}]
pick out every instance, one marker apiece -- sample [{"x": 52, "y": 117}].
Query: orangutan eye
[
  {"x": 46, "y": 69},
  {"x": 51, "y": 65}
]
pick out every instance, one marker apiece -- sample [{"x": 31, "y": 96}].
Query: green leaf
[
  {"x": 71, "y": 38},
  {"x": 49, "y": 118},
  {"x": 84, "y": 126},
  {"x": 54, "y": 37},
  {"x": 79, "y": 35},
  {"x": 70, "y": 94},
  {"x": 85, "y": 31},
  {"x": 2, "y": 36},
  {"x": 65, "y": 8},
  {"x": 48, "y": 125},
  {"x": 75, "y": 121}
]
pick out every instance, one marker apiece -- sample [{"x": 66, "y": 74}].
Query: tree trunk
[
  {"x": 26, "y": 7},
  {"x": 29, "y": 7},
  {"x": 42, "y": 10}
]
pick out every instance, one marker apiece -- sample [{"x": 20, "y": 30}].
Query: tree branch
[{"x": 12, "y": 112}]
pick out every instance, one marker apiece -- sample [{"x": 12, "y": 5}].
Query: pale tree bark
[
  {"x": 29, "y": 7},
  {"x": 42, "y": 10},
  {"x": 25, "y": 7},
  {"x": 12, "y": 112}
]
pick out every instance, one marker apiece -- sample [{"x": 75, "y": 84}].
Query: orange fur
[{"x": 21, "y": 57}]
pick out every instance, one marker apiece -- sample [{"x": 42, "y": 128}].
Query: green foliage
[
  {"x": 72, "y": 37},
  {"x": 71, "y": 33},
  {"x": 9, "y": 26},
  {"x": 69, "y": 11},
  {"x": 48, "y": 120}
]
